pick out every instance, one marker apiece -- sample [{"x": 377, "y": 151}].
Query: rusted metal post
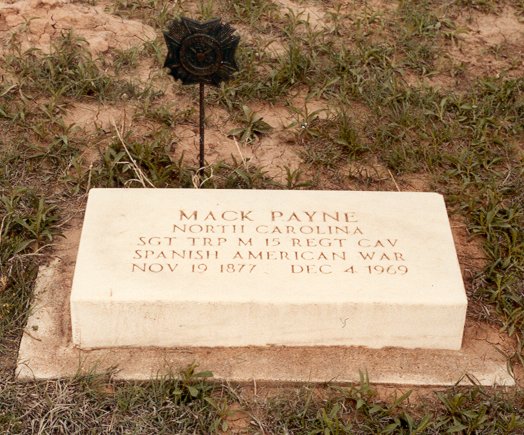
[{"x": 202, "y": 129}]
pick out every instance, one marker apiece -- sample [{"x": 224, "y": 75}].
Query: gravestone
[{"x": 189, "y": 267}]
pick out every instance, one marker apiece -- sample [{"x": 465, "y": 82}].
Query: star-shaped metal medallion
[{"x": 201, "y": 52}]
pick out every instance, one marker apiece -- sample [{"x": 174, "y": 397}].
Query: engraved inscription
[{"x": 299, "y": 242}]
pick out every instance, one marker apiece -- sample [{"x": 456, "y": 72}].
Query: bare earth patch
[
  {"x": 93, "y": 116},
  {"x": 307, "y": 12},
  {"x": 491, "y": 44},
  {"x": 36, "y": 23}
]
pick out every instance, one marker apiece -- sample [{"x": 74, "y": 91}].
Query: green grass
[
  {"x": 130, "y": 162},
  {"x": 68, "y": 70},
  {"x": 359, "y": 410},
  {"x": 377, "y": 74},
  {"x": 252, "y": 12},
  {"x": 96, "y": 404},
  {"x": 28, "y": 225},
  {"x": 192, "y": 404}
]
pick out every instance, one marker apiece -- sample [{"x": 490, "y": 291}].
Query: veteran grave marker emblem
[{"x": 203, "y": 53}]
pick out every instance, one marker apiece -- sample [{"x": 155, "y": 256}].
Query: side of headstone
[{"x": 189, "y": 267}]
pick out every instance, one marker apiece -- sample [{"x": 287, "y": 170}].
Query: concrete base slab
[{"x": 46, "y": 351}]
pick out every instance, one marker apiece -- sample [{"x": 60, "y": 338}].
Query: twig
[
  {"x": 32, "y": 336},
  {"x": 90, "y": 174},
  {"x": 140, "y": 174},
  {"x": 393, "y": 178},
  {"x": 244, "y": 161},
  {"x": 9, "y": 89}
]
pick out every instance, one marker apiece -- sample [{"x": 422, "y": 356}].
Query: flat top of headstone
[{"x": 267, "y": 246}]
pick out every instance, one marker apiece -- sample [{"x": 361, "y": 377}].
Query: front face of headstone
[{"x": 177, "y": 267}]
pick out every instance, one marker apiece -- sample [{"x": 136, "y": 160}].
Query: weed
[
  {"x": 126, "y": 59},
  {"x": 237, "y": 175},
  {"x": 28, "y": 222},
  {"x": 346, "y": 134},
  {"x": 483, "y": 5},
  {"x": 192, "y": 385},
  {"x": 134, "y": 163},
  {"x": 246, "y": 85},
  {"x": 294, "y": 179},
  {"x": 327, "y": 141},
  {"x": 321, "y": 153},
  {"x": 307, "y": 124},
  {"x": 293, "y": 68},
  {"x": 252, "y": 12},
  {"x": 253, "y": 126},
  {"x": 154, "y": 49},
  {"x": 166, "y": 114},
  {"x": 205, "y": 9}
]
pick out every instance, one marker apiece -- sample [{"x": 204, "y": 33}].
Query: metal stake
[
  {"x": 202, "y": 120},
  {"x": 201, "y": 52}
]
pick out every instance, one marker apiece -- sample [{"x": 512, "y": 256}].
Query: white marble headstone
[{"x": 187, "y": 267}]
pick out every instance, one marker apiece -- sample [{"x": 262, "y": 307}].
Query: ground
[{"x": 367, "y": 95}]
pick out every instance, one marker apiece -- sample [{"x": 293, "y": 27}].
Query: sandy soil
[
  {"x": 35, "y": 23},
  {"x": 490, "y": 43}
]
